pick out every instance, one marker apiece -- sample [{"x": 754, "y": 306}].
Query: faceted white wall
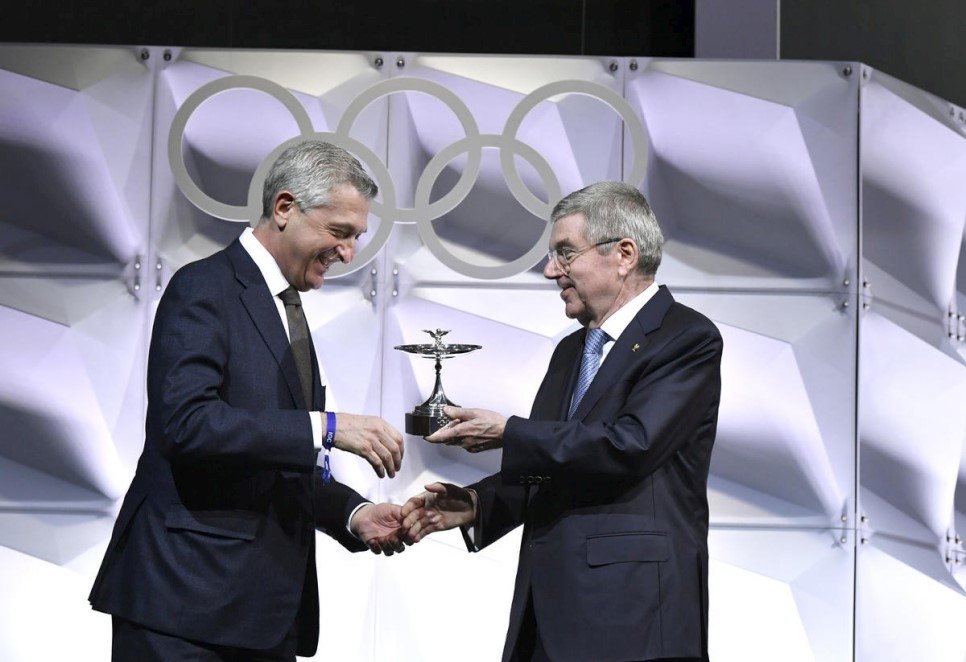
[{"x": 830, "y": 251}]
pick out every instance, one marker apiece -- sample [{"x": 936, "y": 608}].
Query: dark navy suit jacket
[
  {"x": 614, "y": 502},
  {"x": 215, "y": 539}
]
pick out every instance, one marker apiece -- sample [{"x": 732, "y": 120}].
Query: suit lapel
[
  {"x": 264, "y": 314},
  {"x": 553, "y": 399},
  {"x": 621, "y": 358}
]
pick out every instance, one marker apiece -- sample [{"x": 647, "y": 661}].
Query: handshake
[{"x": 387, "y": 528}]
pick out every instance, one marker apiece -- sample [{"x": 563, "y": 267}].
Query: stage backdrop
[{"x": 814, "y": 210}]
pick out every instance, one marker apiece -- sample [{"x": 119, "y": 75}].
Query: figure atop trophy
[{"x": 428, "y": 417}]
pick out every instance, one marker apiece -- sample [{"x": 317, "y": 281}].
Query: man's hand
[
  {"x": 474, "y": 430},
  {"x": 378, "y": 526},
  {"x": 441, "y": 507},
  {"x": 371, "y": 438}
]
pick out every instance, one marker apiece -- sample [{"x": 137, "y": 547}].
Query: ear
[
  {"x": 628, "y": 255},
  {"x": 283, "y": 209}
]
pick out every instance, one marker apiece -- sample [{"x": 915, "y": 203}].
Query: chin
[
  {"x": 314, "y": 281},
  {"x": 573, "y": 312}
]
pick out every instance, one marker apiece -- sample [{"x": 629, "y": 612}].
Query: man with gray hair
[
  {"x": 608, "y": 475},
  {"x": 213, "y": 552}
]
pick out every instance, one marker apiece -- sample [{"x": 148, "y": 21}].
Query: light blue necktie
[{"x": 589, "y": 364}]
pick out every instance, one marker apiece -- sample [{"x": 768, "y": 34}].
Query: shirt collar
[
  {"x": 615, "y": 324},
  {"x": 265, "y": 262}
]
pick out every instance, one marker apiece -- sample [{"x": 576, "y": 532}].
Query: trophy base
[{"x": 423, "y": 425}]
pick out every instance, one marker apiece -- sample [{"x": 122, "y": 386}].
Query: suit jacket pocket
[
  {"x": 627, "y": 548},
  {"x": 239, "y": 524}
]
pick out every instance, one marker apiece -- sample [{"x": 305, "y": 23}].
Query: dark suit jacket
[
  {"x": 614, "y": 502},
  {"x": 215, "y": 539}
]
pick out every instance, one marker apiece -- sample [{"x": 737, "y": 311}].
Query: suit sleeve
[
  {"x": 334, "y": 503},
  {"x": 500, "y": 510},
  {"x": 190, "y": 349},
  {"x": 656, "y": 412}
]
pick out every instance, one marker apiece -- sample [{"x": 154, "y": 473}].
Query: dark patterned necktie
[
  {"x": 299, "y": 338},
  {"x": 589, "y": 364}
]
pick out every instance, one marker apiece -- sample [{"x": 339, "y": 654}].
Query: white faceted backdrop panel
[
  {"x": 912, "y": 375},
  {"x": 752, "y": 171},
  {"x": 836, "y": 276},
  {"x": 75, "y": 148}
]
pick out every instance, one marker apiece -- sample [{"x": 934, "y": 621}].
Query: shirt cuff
[
  {"x": 472, "y": 532},
  {"x": 353, "y": 514},
  {"x": 318, "y": 429}
]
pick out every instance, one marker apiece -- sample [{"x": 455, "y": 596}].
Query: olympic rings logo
[{"x": 424, "y": 212}]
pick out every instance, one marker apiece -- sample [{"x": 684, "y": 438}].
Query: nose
[
  {"x": 551, "y": 271},
  {"x": 346, "y": 250}
]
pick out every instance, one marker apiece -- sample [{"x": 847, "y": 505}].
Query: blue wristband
[{"x": 327, "y": 446}]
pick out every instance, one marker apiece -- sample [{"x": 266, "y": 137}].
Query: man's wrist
[
  {"x": 475, "y": 498},
  {"x": 355, "y": 511}
]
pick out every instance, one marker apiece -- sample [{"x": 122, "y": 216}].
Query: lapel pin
[{"x": 635, "y": 347}]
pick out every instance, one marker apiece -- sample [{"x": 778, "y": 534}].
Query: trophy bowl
[{"x": 427, "y": 418}]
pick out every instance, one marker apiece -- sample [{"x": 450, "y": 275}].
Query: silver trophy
[{"x": 428, "y": 417}]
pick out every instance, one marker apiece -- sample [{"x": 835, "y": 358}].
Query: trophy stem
[
  {"x": 429, "y": 417},
  {"x": 437, "y": 399}
]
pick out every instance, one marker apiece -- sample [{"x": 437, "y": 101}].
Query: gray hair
[
  {"x": 616, "y": 210},
  {"x": 311, "y": 171}
]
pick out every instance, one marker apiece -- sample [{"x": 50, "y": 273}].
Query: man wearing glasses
[{"x": 608, "y": 475}]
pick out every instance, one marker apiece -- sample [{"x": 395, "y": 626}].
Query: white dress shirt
[
  {"x": 614, "y": 325},
  {"x": 276, "y": 285}
]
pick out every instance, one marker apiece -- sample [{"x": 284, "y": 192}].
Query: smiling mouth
[{"x": 327, "y": 261}]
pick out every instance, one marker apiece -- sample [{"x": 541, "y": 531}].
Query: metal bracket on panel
[
  {"x": 866, "y": 295},
  {"x": 170, "y": 55},
  {"x": 841, "y": 536},
  {"x": 955, "y": 555},
  {"x": 848, "y": 295},
  {"x": 955, "y": 326},
  {"x": 158, "y": 276},
  {"x": 845, "y": 536},
  {"x": 153, "y": 56},
  {"x": 395, "y": 64},
  {"x": 864, "y": 531},
  {"x": 373, "y": 286},
  {"x": 134, "y": 280},
  {"x": 395, "y": 281}
]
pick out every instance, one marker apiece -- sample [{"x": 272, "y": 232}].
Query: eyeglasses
[{"x": 564, "y": 257}]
